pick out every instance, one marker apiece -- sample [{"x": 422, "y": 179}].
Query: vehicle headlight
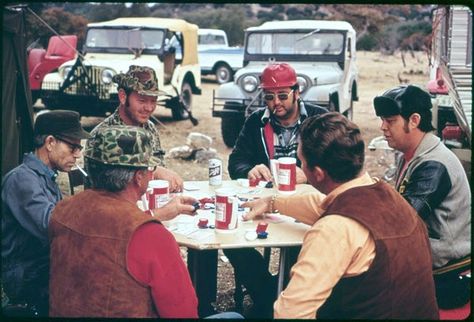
[
  {"x": 107, "y": 75},
  {"x": 66, "y": 71},
  {"x": 303, "y": 84},
  {"x": 249, "y": 83}
]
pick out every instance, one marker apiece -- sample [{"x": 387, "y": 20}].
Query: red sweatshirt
[{"x": 153, "y": 258}]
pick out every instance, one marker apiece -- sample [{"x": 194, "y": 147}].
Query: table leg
[
  {"x": 281, "y": 269},
  {"x": 202, "y": 266}
]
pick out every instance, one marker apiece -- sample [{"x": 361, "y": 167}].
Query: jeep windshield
[
  {"x": 295, "y": 44},
  {"x": 120, "y": 40}
]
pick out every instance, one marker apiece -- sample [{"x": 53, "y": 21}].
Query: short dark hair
[
  {"x": 39, "y": 140},
  {"x": 333, "y": 143},
  {"x": 426, "y": 119}
]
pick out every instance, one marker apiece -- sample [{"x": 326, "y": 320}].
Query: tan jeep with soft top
[{"x": 85, "y": 84}]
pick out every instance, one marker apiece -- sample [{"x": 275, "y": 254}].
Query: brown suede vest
[
  {"x": 89, "y": 236},
  {"x": 399, "y": 282}
]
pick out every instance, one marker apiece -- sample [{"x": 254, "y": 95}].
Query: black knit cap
[
  {"x": 60, "y": 123},
  {"x": 403, "y": 100}
]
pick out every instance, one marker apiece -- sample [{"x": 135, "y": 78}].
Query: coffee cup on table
[
  {"x": 226, "y": 211},
  {"x": 158, "y": 193},
  {"x": 286, "y": 175}
]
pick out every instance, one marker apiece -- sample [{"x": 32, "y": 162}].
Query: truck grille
[{"x": 87, "y": 82}]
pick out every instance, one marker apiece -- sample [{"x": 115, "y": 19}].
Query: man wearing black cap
[
  {"x": 29, "y": 194},
  {"x": 432, "y": 180},
  {"x": 138, "y": 92}
]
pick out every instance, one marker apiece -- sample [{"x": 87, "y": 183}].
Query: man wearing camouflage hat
[
  {"x": 29, "y": 194},
  {"x": 138, "y": 93},
  {"x": 109, "y": 258}
]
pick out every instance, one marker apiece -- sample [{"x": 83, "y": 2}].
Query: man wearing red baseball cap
[
  {"x": 269, "y": 133},
  {"x": 272, "y": 132}
]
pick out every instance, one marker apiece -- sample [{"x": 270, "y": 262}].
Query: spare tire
[
  {"x": 232, "y": 123},
  {"x": 177, "y": 110}
]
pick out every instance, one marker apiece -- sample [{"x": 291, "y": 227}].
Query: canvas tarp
[{"x": 17, "y": 110}]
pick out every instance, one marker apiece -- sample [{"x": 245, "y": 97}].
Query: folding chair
[{"x": 76, "y": 178}]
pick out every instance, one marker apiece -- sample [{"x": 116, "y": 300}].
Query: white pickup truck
[
  {"x": 216, "y": 57},
  {"x": 323, "y": 54}
]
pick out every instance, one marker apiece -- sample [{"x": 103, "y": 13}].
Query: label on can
[{"x": 215, "y": 172}]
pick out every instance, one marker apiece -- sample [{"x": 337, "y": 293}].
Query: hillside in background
[{"x": 379, "y": 27}]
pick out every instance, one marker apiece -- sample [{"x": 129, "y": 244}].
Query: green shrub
[{"x": 367, "y": 42}]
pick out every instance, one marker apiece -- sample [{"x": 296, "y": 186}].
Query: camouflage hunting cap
[
  {"x": 141, "y": 79},
  {"x": 121, "y": 145}
]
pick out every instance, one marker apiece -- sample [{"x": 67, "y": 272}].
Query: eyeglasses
[
  {"x": 73, "y": 146},
  {"x": 281, "y": 96}
]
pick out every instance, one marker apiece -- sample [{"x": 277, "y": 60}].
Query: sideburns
[{"x": 405, "y": 126}]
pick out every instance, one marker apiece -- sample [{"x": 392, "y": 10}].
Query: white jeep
[
  {"x": 323, "y": 54},
  {"x": 85, "y": 84}
]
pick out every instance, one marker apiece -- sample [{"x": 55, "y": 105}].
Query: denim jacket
[
  {"x": 436, "y": 185},
  {"x": 29, "y": 195}
]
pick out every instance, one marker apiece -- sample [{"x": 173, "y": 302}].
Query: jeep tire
[
  {"x": 177, "y": 110},
  {"x": 224, "y": 73},
  {"x": 231, "y": 124}
]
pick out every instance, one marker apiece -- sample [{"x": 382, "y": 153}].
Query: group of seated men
[{"x": 370, "y": 251}]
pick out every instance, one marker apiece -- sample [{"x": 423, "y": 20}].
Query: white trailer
[{"x": 451, "y": 78}]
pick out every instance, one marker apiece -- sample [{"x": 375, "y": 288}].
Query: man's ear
[
  {"x": 140, "y": 178},
  {"x": 319, "y": 174},
  {"x": 122, "y": 96},
  {"x": 414, "y": 120},
  {"x": 48, "y": 142}
]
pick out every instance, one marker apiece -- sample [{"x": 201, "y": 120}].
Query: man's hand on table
[
  {"x": 258, "y": 207},
  {"x": 175, "y": 181},
  {"x": 176, "y": 206},
  {"x": 260, "y": 171}
]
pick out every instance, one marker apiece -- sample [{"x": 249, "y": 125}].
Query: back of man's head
[{"x": 333, "y": 143}]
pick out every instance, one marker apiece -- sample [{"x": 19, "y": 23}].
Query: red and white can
[
  {"x": 286, "y": 175},
  {"x": 158, "y": 193},
  {"x": 215, "y": 172},
  {"x": 226, "y": 211}
]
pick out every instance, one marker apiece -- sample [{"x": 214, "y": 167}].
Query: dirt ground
[{"x": 377, "y": 73}]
